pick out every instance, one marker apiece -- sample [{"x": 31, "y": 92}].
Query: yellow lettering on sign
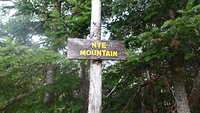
[
  {"x": 98, "y": 52},
  {"x": 82, "y": 52},
  {"x": 107, "y": 53},
  {"x": 103, "y": 44},
  {"x": 114, "y": 53},
  {"x": 94, "y": 45},
  {"x": 99, "y": 44},
  {"x": 104, "y": 51},
  {"x": 88, "y": 52},
  {"x": 94, "y": 52}
]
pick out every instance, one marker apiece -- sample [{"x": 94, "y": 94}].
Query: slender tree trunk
[
  {"x": 143, "y": 107},
  {"x": 51, "y": 71},
  {"x": 95, "y": 93},
  {"x": 83, "y": 89}
]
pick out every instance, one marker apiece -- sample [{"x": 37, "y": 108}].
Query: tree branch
[
  {"x": 17, "y": 98},
  {"x": 25, "y": 76},
  {"x": 122, "y": 78}
]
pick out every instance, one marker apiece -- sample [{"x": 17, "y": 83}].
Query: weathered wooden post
[
  {"x": 95, "y": 89},
  {"x": 96, "y": 50}
]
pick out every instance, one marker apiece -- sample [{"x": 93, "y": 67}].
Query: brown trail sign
[{"x": 95, "y": 49}]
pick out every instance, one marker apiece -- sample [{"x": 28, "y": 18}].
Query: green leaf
[
  {"x": 188, "y": 55},
  {"x": 191, "y": 25},
  {"x": 194, "y": 8},
  {"x": 182, "y": 11},
  {"x": 67, "y": 17},
  {"x": 72, "y": 1},
  {"x": 190, "y": 4},
  {"x": 167, "y": 23},
  {"x": 197, "y": 17},
  {"x": 53, "y": 23},
  {"x": 150, "y": 15},
  {"x": 149, "y": 5},
  {"x": 55, "y": 13},
  {"x": 145, "y": 34},
  {"x": 144, "y": 42},
  {"x": 155, "y": 29}
]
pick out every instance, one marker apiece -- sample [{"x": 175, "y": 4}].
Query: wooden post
[
  {"x": 95, "y": 93},
  {"x": 96, "y": 50}
]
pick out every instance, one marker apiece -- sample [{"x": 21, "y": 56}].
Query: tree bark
[
  {"x": 179, "y": 86},
  {"x": 83, "y": 89},
  {"x": 95, "y": 93},
  {"x": 181, "y": 97},
  {"x": 51, "y": 73}
]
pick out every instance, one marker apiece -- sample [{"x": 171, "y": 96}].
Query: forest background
[{"x": 161, "y": 73}]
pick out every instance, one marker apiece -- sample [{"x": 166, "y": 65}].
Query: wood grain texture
[
  {"x": 95, "y": 89},
  {"x": 76, "y": 45}
]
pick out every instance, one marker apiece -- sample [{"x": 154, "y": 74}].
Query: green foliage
[
  {"x": 22, "y": 79},
  {"x": 24, "y": 62},
  {"x": 152, "y": 39}
]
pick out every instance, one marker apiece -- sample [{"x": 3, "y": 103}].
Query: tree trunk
[
  {"x": 51, "y": 73},
  {"x": 181, "y": 97},
  {"x": 95, "y": 93},
  {"x": 51, "y": 70},
  {"x": 143, "y": 107},
  {"x": 83, "y": 89},
  {"x": 179, "y": 85}
]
